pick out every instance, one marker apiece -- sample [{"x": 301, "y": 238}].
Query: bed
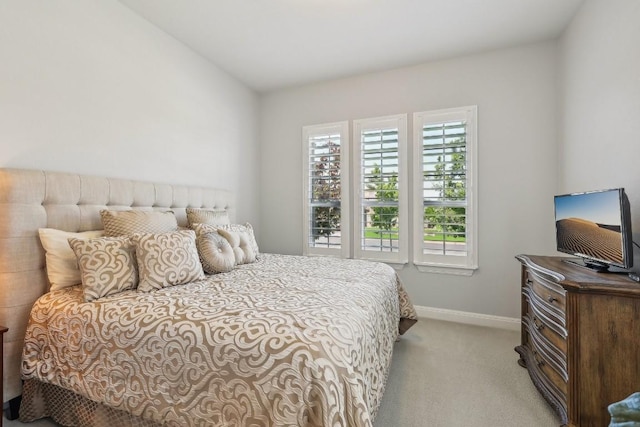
[{"x": 283, "y": 340}]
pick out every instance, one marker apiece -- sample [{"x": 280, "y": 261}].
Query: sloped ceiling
[{"x": 272, "y": 44}]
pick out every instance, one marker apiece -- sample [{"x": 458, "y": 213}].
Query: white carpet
[{"x": 448, "y": 374}]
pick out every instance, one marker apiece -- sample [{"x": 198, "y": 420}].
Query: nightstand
[{"x": 2, "y": 331}]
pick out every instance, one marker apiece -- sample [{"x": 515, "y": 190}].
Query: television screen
[{"x": 595, "y": 226}]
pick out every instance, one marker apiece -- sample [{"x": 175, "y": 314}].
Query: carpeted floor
[{"x": 453, "y": 375}]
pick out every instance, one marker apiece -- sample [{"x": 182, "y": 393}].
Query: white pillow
[
  {"x": 216, "y": 254},
  {"x": 247, "y": 228},
  {"x": 240, "y": 244},
  {"x": 62, "y": 265}
]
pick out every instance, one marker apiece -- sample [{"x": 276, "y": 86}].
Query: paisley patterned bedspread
[{"x": 285, "y": 341}]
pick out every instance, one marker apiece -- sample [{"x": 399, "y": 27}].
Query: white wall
[
  {"x": 600, "y": 102},
  {"x": 515, "y": 90},
  {"x": 90, "y": 87}
]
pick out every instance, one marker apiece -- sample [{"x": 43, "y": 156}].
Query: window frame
[
  {"x": 341, "y": 128},
  {"x": 398, "y": 121},
  {"x": 450, "y": 264}
]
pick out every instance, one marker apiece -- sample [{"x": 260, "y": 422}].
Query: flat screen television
[{"x": 596, "y": 227}]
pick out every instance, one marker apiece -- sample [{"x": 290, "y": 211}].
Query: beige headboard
[{"x": 32, "y": 199}]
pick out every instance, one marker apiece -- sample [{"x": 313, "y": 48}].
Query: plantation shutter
[
  {"x": 444, "y": 213},
  {"x": 380, "y": 173},
  {"x": 379, "y": 188},
  {"x": 444, "y": 184},
  {"x": 325, "y": 184}
]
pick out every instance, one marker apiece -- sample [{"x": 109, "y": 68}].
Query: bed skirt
[{"x": 40, "y": 400}]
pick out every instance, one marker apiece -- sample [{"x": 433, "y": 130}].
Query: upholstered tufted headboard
[{"x": 33, "y": 199}]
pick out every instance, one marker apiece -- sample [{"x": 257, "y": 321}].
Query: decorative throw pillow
[
  {"x": 247, "y": 228},
  {"x": 204, "y": 228},
  {"x": 62, "y": 265},
  {"x": 242, "y": 249},
  {"x": 167, "y": 259},
  {"x": 216, "y": 254},
  {"x": 107, "y": 265},
  {"x": 207, "y": 216},
  {"x": 125, "y": 223}
]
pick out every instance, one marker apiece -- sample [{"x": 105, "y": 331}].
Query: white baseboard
[{"x": 468, "y": 318}]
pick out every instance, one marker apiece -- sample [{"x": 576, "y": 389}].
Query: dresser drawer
[
  {"x": 543, "y": 379},
  {"x": 548, "y": 367},
  {"x": 537, "y": 325},
  {"x": 553, "y": 337},
  {"x": 547, "y": 297},
  {"x": 548, "y": 324},
  {"x": 548, "y": 352},
  {"x": 545, "y": 321}
]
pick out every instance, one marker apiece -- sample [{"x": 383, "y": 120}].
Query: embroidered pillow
[
  {"x": 242, "y": 249},
  {"x": 204, "y": 228},
  {"x": 167, "y": 259},
  {"x": 207, "y": 216},
  {"x": 62, "y": 265},
  {"x": 216, "y": 254},
  {"x": 107, "y": 265},
  {"x": 125, "y": 223}
]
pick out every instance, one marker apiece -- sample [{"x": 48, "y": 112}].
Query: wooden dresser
[{"x": 580, "y": 337}]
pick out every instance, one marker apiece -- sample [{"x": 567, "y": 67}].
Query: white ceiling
[{"x": 271, "y": 44}]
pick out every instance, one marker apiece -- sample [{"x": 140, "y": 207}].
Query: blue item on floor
[{"x": 626, "y": 413}]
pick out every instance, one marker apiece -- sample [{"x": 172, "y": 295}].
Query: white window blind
[
  {"x": 326, "y": 183},
  {"x": 381, "y": 198},
  {"x": 445, "y": 182}
]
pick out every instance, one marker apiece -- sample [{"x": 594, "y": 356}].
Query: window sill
[
  {"x": 398, "y": 266},
  {"x": 453, "y": 270}
]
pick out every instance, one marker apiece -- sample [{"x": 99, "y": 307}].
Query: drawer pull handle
[
  {"x": 551, "y": 298},
  {"x": 529, "y": 281},
  {"x": 539, "y": 325},
  {"x": 539, "y": 362}
]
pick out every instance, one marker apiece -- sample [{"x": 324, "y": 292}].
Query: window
[
  {"x": 357, "y": 196},
  {"x": 326, "y": 183},
  {"x": 380, "y": 177},
  {"x": 444, "y": 215}
]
